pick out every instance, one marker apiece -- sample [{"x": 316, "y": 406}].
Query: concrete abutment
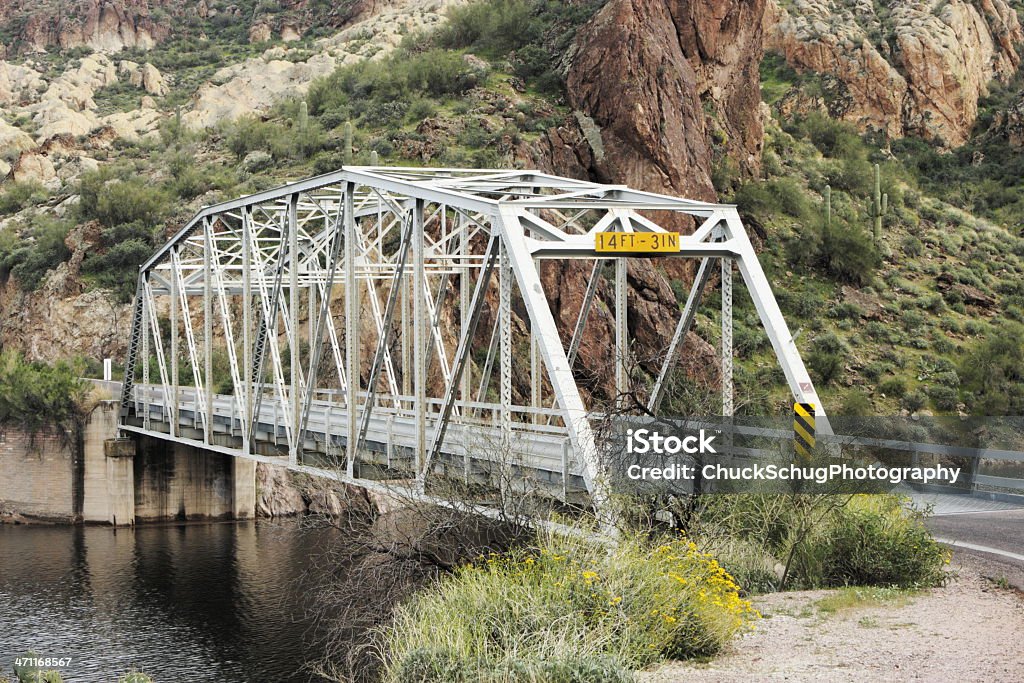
[{"x": 96, "y": 477}]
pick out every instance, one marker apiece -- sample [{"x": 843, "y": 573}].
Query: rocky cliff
[
  {"x": 662, "y": 92},
  {"x": 905, "y": 68},
  {"x": 664, "y": 84},
  {"x": 103, "y": 25}
]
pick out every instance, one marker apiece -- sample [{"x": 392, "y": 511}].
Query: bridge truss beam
[{"x": 346, "y": 319}]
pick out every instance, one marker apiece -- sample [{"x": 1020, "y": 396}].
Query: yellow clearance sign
[{"x": 637, "y": 242}]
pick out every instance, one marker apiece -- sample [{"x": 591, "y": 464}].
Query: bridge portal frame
[{"x": 404, "y": 233}]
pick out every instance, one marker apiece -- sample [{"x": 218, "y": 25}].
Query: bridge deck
[{"x": 538, "y": 451}]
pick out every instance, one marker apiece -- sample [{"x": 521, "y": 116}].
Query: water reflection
[{"x": 211, "y": 602}]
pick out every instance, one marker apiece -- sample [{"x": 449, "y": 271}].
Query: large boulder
[{"x": 14, "y": 140}]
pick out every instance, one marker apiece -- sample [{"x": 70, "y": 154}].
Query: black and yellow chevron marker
[{"x": 803, "y": 429}]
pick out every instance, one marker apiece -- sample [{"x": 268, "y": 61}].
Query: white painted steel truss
[{"x": 356, "y": 297}]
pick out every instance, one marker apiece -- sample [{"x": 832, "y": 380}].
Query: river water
[{"x": 189, "y": 602}]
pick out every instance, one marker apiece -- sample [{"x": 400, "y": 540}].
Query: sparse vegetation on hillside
[{"x": 876, "y": 318}]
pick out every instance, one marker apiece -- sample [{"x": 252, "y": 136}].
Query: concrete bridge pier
[{"x": 100, "y": 478}]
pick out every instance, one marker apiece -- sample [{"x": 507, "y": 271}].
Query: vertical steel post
[
  {"x": 246, "y": 300},
  {"x": 145, "y": 355},
  {"x": 535, "y": 386},
  {"x": 295, "y": 446},
  {"x": 466, "y": 378},
  {"x": 505, "y": 331},
  {"x": 621, "y": 332},
  {"x": 208, "y": 328},
  {"x": 419, "y": 315},
  {"x": 352, "y": 324},
  {"x": 175, "y": 396},
  {"x": 407, "y": 370},
  {"x": 727, "y": 390}
]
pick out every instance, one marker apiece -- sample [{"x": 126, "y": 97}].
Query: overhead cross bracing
[{"x": 338, "y": 319}]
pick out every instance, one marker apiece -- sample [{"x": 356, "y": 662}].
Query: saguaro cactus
[
  {"x": 879, "y": 206},
  {"x": 828, "y": 208},
  {"x": 374, "y": 159},
  {"x": 348, "y": 144},
  {"x": 303, "y": 119}
]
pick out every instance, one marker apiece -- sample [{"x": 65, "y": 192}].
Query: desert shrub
[
  {"x": 752, "y": 567},
  {"x": 912, "y": 246},
  {"x": 830, "y": 539},
  {"x": 532, "y": 34},
  {"x": 856, "y": 403},
  {"x": 912, "y": 320},
  {"x": 37, "y": 395},
  {"x": 580, "y": 605},
  {"x": 17, "y": 196},
  {"x": 369, "y": 88},
  {"x": 846, "y": 310},
  {"x": 849, "y": 254},
  {"x": 41, "y": 248},
  {"x": 944, "y": 398},
  {"x": 765, "y": 198},
  {"x": 118, "y": 196},
  {"x": 191, "y": 179},
  {"x": 250, "y": 134},
  {"x": 875, "y": 540},
  {"x": 894, "y": 386},
  {"x": 116, "y": 268},
  {"x": 826, "y": 358},
  {"x": 914, "y": 401},
  {"x": 993, "y": 372}
]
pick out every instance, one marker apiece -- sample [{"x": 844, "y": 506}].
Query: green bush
[
  {"x": 849, "y": 254},
  {"x": 578, "y": 610},
  {"x": 37, "y": 395},
  {"x": 993, "y": 372},
  {"x": 491, "y": 28},
  {"x": 944, "y": 398},
  {"x": 826, "y": 358},
  {"x": 117, "y": 268},
  {"x": 41, "y": 248},
  {"x": 118, "y": 196},
  {"x": 17, "y": 196},
  {"x": 368, "y": 88},
  {"x": 532, "y": 34},
  {"x": 914, "y": 401},
  {"x": 875, "y": 540},
  {"x": 828, "y": 540}
]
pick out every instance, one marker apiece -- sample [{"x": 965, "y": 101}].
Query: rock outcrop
[
  {"x": 914, "y": 68},
  {"x": 103, "y": 25},
  {"x": 662, "y": 91},
  {"x": 1009, "y": 124},
  {"x": 664, "y": 83},
  {"x": 14, "y": 140}
]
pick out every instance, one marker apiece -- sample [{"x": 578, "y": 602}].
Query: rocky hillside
[
  {"x": 118, "y": 118},
  {"x": 113, "y": 25},
  {"x": 903, "y": 68}
]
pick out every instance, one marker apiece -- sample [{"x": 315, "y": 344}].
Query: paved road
[{"x": 992, "y": 539}]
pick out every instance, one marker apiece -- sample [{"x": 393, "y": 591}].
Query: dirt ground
[{"x": 972, "y": 629}]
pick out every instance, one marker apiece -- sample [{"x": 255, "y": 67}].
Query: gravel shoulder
[{"x": 968, "y": 630}]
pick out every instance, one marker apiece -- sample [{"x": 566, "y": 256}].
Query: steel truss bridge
[{"x": 347, "y": 311}]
